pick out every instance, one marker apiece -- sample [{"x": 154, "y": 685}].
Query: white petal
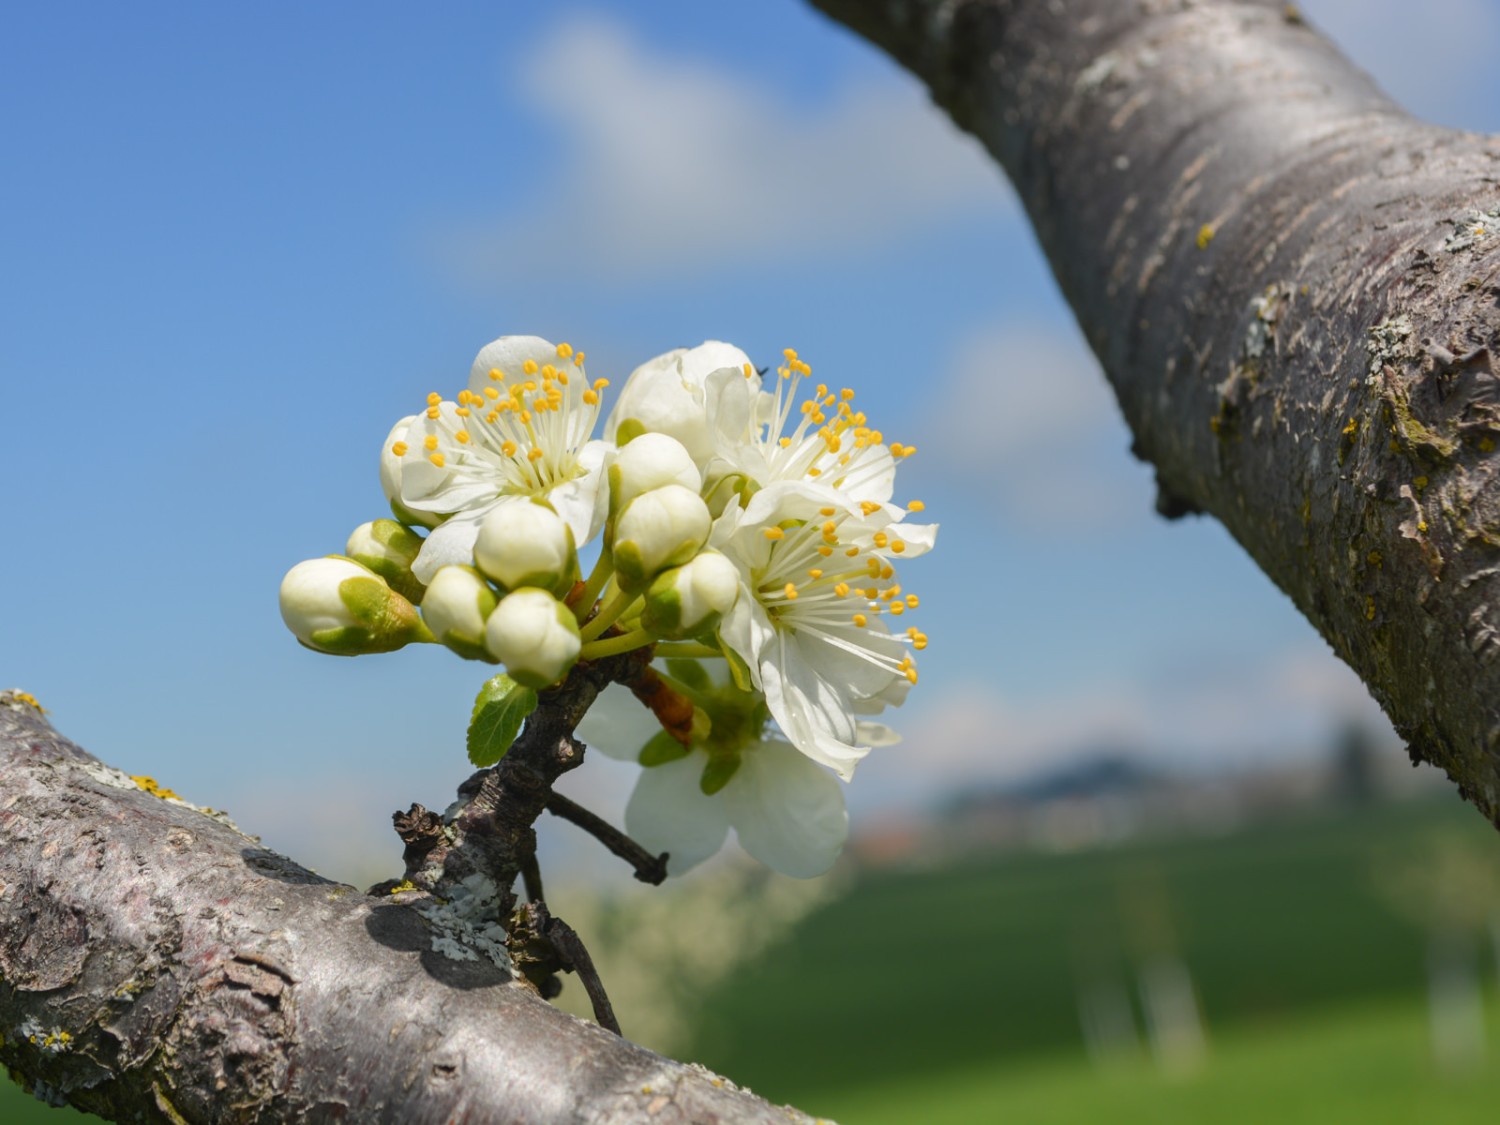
[
  {"x": 450, "y": 542},
  {"x": 809, "y": 712},
  {"x": 668, "y": 812},
  {"x": 697, "y": 364},
  {"x": 787, "y": 812},
  {"x": 582, "y": 501},
  {"x": 617, "y": 725},
  {"x": 509, "y": 354}
]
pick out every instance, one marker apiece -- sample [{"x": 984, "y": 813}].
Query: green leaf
[
  {"x": 716, "y": 775},
  {"x": 499, "y": 710},
  {"x": 661, "y": 749},
  {"x": 690, "y": 673}
]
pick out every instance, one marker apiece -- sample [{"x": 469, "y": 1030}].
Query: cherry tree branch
[
  {"x": 1293, "y": 287},
  {"x": 156, "y": 964}
]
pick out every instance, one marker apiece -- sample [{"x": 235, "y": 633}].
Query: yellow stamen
[
  {"x": 436, "y": 459},
  {"x": 815, "y": 573},
  {"x": 462, "y": 437},
  {"x": 530, "y": 368},
  {"x": 774, "y": 533},
  {"x": 861, "y": 620},
  {"x": 534, "y": 454},
  {"x": 508, "y": 448},
  {"x": 564, "y": 351},
  {"x": 898, "y": 545},
  {"x": 430, "y": 442},
  {"x": 790, "y": 591},
  {"x": 399, "y": 449},
  {"x": 434, "y": 398},
  {"x": 916, "y": 506},
  {"x": 842, "y": 589},
  {"x": 825, "y": 551}
]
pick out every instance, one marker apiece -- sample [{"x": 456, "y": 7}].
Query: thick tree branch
[
  {"x": 1294, "y": 288},
  {"x": 157, "y": 965}
]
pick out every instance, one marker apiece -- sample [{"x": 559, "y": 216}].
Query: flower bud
[
  {"x": 388, "y": 549},
  {"x": 650, "y": 461},
  {"x": 691, "y": 598},
  {"x": 457, "y": 603},
  {"x": 534, "y": 635},
  {"x": 525, "y": 543},
  {"x": 658, "y": 529},
  {"x": 390, "y": 477},
  {"x": 666, "y": 396},
  {"x": 334, "y": 605}
]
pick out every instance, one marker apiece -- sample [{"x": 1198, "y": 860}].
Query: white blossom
[
  {"x": 665, "y": 395},
  {"x": 523, "y": 428},
  {"x": 786, "y": 811},
  {"x": 818, "y": 585}
]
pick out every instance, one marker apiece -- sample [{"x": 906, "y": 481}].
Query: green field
[
  {"x": 1365, "y": 1065},
  {"x": 969, "y": 972},
  {"x": 953, "y": 995}
]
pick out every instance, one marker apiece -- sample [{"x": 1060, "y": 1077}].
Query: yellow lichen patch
[
  {"x": 29, "y": 700},
  {"x": 149, "y": 784},
  {"x": 403, "y": 886},
  {"x": 1369, "y": 609}
]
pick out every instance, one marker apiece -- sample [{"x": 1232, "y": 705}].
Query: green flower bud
[
  {"x": 535, "y": 636},
  {"x": 456, "y": 606},
  {"x": 658, "y": 529},
  {"x": 690, "y": 599},
  {"x": 334, "y": 605},
  {"x": 388, "y": 549},
  {"x": 525, "y": 543},
  {"x": 650, "y": 461}
]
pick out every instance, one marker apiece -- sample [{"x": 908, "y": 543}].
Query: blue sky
[{"x": 238, "y": 242}]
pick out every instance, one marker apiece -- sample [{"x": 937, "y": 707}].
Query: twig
[
  {"x": 648, "y": 868},
  {"x": 531, "y": 878},
  {"x": 571, "y": 951}
]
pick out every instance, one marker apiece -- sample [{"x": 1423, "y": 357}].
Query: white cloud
[
  {"x": 1026, "y": 420},
  {"x": 1432, "y": 57},
  {"x": 672, "y": 165},
  {"x": 1209, "y": 714}
]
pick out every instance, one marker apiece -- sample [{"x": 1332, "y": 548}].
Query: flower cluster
[{"x": 747, "y": 534}]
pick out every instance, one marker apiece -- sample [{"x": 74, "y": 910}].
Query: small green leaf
[
  {"x": 499, "y": 710},
  {"x": 661, "y": 749},
  {"x": 690, "y": 673},
  {"x": 716, "y": 775}
]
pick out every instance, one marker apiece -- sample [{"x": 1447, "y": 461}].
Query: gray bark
[
  {"x": 1293, "y": 287},
  {"x": 156, "y": 965}
]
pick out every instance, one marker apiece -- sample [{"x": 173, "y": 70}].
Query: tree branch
[
  {"x": 1294, "y": 288},
  {"x": 158, "y": 965}
]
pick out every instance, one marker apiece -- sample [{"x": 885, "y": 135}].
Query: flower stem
[
  {"x": 608, "y": 615},
  {"x": 612, "y": 646},
  {"x": 601, "y": 573},
  {"x": 687, "y": 648}
]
